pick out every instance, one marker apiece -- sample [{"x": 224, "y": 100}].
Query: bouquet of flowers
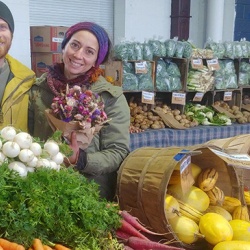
[{"x": 77, "y": 109}]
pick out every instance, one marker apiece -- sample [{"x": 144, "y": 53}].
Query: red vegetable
[
  {"x": 135, "y": 222},
  {"x": 121, "y": 235},
  {"x": 130, "y": 230},
  {"x": 128, "y": 248},
  {"x": 141, "y": 244}
]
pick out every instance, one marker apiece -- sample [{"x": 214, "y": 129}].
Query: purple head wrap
[{"x": 99, "y": 33}]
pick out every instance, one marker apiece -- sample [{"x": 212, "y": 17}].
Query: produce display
[{"x": 205, "y": 213}]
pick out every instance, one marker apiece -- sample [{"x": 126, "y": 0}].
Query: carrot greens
[{"x": 55, "y": 206}]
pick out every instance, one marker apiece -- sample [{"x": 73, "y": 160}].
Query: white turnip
[
  {"x": 26, "y": 155},
  {"x": 11, "y": 149},
  {"x": 19, "y": 167},
  {"x": 23, "y": 139},
  {"x": 8, "y": 133},
  {"x": 51, "y": 147},
  {"x": 36, "y": 148},
  {"x": 58, "y": 158}
]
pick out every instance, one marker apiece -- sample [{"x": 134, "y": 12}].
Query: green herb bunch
[{"x": 55, "y": 206}]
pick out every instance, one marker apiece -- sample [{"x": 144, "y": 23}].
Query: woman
[{"x": 85, "y": 46}]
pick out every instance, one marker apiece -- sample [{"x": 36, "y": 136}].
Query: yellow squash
[
  {"x": 219, "y": 210},
  {"x": 241, "y": 213},
  {"x": 233, "y": 245},
  {"x": 185, "y": 229},
  {"x": 216, "y": 196},
  {"x": 172, "y": 207},
  {"x": 194, "y": 197},
  {"x": 189, "y": 211},
  {"x": 241, "y": 230},
  {"x": 207, "y": 179},
  {"x": 230, "y": 203},
  {"x": 215, "y": 228}
]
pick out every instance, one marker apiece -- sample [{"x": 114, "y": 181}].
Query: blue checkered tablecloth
[{"x": 187, "y": 137}]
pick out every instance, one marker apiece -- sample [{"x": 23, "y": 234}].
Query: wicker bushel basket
[
  {"x": 239, "y": 144},
  {"x": 143, "y": 180}
]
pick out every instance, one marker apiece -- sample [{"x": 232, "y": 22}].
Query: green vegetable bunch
[
  {"x": 55, "y": 206},
  {"x": 206, "y": 115}
]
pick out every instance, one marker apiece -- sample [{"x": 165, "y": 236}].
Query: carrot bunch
[
  {"x": 132, "y": 233},
  {"x": 36, "y": 245},
  {"x": 9, "y": 245}
]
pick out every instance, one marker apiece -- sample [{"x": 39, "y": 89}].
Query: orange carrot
[
  {"x": 37, "y": 244},
  {"x": 8, "y": 245},
  {"x": 46, "y": 247},
  {"x": 61, "y": 247}
]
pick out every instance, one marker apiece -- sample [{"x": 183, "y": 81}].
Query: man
[{"x": 15, "y": 78}]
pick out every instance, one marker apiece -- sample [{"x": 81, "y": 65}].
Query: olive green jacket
[
  {"x": 108, "y": 148},
  {"x": 14, "y": 105}
]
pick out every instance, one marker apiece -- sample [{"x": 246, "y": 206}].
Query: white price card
[
  {"x": 197, "y": 63},
  {"x": 178, "y": 98},
  {"x": 227, "y": 96},
  {"x": 198, "y": 97},
  {"x": 213, "y": 64},
  {"x": 141, "y": 67},
  {"x": 148, "y": 97}
]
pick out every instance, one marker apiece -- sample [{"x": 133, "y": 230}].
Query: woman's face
[{"x": 80, "y": 54}]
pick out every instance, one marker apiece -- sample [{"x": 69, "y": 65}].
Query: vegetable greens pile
[
  {"x": 55, "y": 206},
  {"x": 206, "y": 115}
]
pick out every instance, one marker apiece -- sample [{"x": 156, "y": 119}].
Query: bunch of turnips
[{"x": 24, "y": 154}]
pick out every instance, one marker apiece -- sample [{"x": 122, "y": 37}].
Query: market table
[{"x": 167, "y": 137}]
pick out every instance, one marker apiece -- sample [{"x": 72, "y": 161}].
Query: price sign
[
  {"x": 197, "y": 63},
  {"x": 213, "y": 64},
  {"x": 198, "y": 97},
  {"x": 141, "y": 67},
  {"x": 178, "y": 98},
  {"x": 187, "y": 179},
  {"x": 227, "y": 96},
  {"x": 148, "y": 97}
]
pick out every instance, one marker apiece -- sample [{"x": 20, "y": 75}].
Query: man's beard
[{"x": 4, "y": 49}]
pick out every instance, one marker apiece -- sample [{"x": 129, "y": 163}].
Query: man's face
[{"x": 5, "y": 38}]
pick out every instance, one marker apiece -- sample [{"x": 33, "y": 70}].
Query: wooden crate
[{"x": 115, "y": 70}]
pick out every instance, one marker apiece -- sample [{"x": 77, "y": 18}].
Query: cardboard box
[
  {"x": 46, "y": 38},
  {"x": 41, "y": 61}
]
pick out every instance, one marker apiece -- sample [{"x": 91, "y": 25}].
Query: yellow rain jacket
[{"x": 15, "y": 101}]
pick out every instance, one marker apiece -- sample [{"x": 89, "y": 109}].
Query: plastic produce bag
[
  {"x": 156, "y": 47},
  {"x": 172, "y": 69},
  {"x": 188, "y": 50},
  {"x": 162, "y": 82},
  {"x": 229, "y": 50},
  {"x": 147, "y": 52},
  {"x": 129, "y": 82},
  {"x": 217, "y": 48},
  {"x": 120, "y": 51},
  {"x": 180, "y": 46},
  {"x": 138, "y": 49},
  {"x": 170, "y": 45},
  {"x": 145, "y": 82}
]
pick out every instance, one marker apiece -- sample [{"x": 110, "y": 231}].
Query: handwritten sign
[
  {"x": 179, "y": 98},
  {"x": 148, "y": 97}
]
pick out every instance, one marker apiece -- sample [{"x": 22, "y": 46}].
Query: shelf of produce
[{"x": 167, "y": 137}]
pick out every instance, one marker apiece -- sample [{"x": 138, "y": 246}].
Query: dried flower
[{"x": 81, "y": 105}]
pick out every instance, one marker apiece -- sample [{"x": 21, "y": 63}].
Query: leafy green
[
  {"x": 55, "y": 206},
  {"x": 206, "y": 115}
]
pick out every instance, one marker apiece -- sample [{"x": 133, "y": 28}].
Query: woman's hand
[{"x": 72, "y": 160}]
